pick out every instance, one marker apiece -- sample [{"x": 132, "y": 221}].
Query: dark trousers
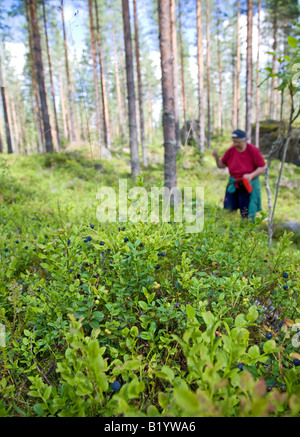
[{"x": 238, "y": 200}]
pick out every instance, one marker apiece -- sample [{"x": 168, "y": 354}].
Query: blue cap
[{"x": 238, "y": 133}]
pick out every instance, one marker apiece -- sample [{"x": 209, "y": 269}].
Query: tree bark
[
  {"x": 150, "y": 126},
  {"x": 257, "y": 76},
  {"x": 15, "y": 126},
  {"x": 106, "y": 127},
  {"x": 200, "y": 77},
  {"x": 208, "y": 73},
  {"x": 40, "y": 76},
  {"x": 51, "y": 77},
  {"x": 220, "y": 112},
  {"x": 38, "y": 120},
  {"x": 274, "y": 92},
  {"x": 249, "y": 85},
  {"x": 4, "y": 103},
  {"x": 140, "y": 87},
  {"x": 169, "y": 128},
  {"x": 175, "y": 73},
  {"x": 134, "y": 151},
  {"x": 72, "y": 121},
  {"x": 182, "y": 71},
  {"x": 119, "y": 98},
  {"x": 238, "y": 67},
  {"x": 97, "y": 95}
]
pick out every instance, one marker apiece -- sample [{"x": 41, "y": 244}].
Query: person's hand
[
  {"x": 215, "y": 154},
  {"x": 248, "y": 177}
]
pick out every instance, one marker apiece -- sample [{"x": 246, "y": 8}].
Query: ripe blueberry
[
  {"x": 17, "y": 241},
  {"x": 116, "y": 386},
  {"x": 285, "y": 275},
  {"x": 125, "y": 240},
  {"x": 102, "y": 243},
  {"x": 68, "y": 241},
  {"x": 157, "y": 266},
  {"x": 6, "y": 250},
  {"x": 268, "y": 336},
  {"x": 285, "y": 287},
  {"x": 92, "y": 226},
  {"x": 240, "y": 366},
  {"x": 296, "y": 362}
]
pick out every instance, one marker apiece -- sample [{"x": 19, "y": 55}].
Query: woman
[{"x": 245, "y": 164}]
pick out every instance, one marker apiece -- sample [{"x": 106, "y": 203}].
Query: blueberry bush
[{"x": 125, "y": 319}]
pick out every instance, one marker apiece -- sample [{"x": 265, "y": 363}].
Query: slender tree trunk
[
  {"x": 208, "y": 73},
  {"x": 169, "y": 128},
  {"x": 119, "y": 98},
  {"x": 2, "y": 136},
  {"x": 51, "y": 77},
  {"x": 97, "y": 95},
  {"x": 40, "y": 76},
  {"x": 38, "y": 120},
  {"x": 234, "y": 89},
  {"x": 175, "y": 73},
  {"x": 76, "y": 119},
  {"x": 21, "y": 112},
  {"x": 5, "y": 112},
  {"x": 134, "y": 151},
  {"x": 220, "y": 127},
  {"x": 274, "y": 92},
  {"x": 200, "y": 77},
  {"x": 72, "y": 121},
  {"x": 249, "y": 85},
  {"x": 182, "y": 70},
  {"x": 150, "y": 124},
  {"x": 140, "y": 87},
  {"x": 257, "y": 76},
  {"x": 106, "y": 128},
  {"x": 238, "y": 67},
  {"x": 63, "y": 107},
  {"x": 15, "y": 125}
]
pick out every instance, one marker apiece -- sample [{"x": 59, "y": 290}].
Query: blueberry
[
  {"x": 116, "y": 386},
  {"x": 92, "y": 226},
  {"x": 102, "y": 243},
  {"x": 123, "y": 229},
  {"x": 125, "y": 240},
  {"x": 68, "y": 241},
  {"x": 296, "y": 362},
  {"x": 70, "y": 270},
  {"x": 26, "y": 247},
  {"x": 6, "y": 250},
  {"x": 46, "y": 236},
  {"x": 268, "y": 336},
  {"x": 170, "y": 223},
  {"x": 240, "y": 366},
  {"x": 17, "y": 241},
  {"x": 157, "y": 266},
  {"x": 285, "y": 275},
  {"x": 285, "y": 287}
]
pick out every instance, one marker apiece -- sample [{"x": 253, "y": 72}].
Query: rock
[
  {"x": 268, "y": 134},
  {"x": 292, "y": 226},
  {"x": 190, "y": 133}
]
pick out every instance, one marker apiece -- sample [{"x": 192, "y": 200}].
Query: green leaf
[
  {"x": 190, "y": 312},
  {"x": 187, "y": 400},
  {"x": 292, "y": 42},
  {"x": 253, "y": 352},
  {"x": 252, "y": 314},
  {"x": 166, "y": 373},
  {"x": 269, "y": 346},
  {"x": 240, "y": 321},
  {"x": 208, "y": 318}
]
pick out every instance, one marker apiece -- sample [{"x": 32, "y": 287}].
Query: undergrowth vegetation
[{"x": 140, "y": 319}]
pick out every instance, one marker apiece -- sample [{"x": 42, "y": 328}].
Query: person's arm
[
  {"x": 219, "y": 162},
  {"x": 255, "y": 173}
]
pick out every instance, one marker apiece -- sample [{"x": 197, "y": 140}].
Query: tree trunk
[
  {"x": 200, "y": 77},
  {"x": 150, "y": 127},
  {"x": 274, "y": 92},
  {"x": 257, "y": 76},
  {"x": 140, "y": 87},
  {"x": 5, "y": 112},
  {"x": 106, "y": 128},
  {"x": 169, "y": 128},
  {"x": 21, "y": 112},
  {"x": 63, "y": 107},
  {"x": 208, "y": 73},
  {"x": 182, "y": 71},
  {"x": 220, "y": 127},
  {"x": 175, "y": 73},
  {"x": 72, "y": 121},
  {"x": 38, "y": 120},
  {"x": 97, "y": 95},
  {"x": 51, "y": 77},
  {"x": 234, "y": 90},
  {"x": 40, "y": 76},
  {"x": 249, "y": 69},
  {"x": 134, "y": 151},
  {"x": 119, "y": 98},
  {"x": 238, "y": 67},
  {"x": 15, "y": 125}
]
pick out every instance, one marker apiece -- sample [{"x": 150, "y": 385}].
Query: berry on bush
[
  {"x": 116, "y": 386},
  {"x": 296, "y": 362},
  {"x": 268, "y": 336}
]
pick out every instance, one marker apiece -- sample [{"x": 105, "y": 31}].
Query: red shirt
[{"x": 241, "y": 163}]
